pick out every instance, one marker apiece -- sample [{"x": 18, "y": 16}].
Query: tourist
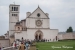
[
  {"x": 22, "y": 46},
  {"x": 27, "y": 45},
  {"x": 50, "y": 39},
  {"x": 15, "y": 45},
  {"x": 44, "y": 40},
  {"x": 0, "y": 46},
  {"x": 11, "y": 44}
]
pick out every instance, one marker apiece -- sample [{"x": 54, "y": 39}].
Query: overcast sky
[{"x": 61, "y": 12}]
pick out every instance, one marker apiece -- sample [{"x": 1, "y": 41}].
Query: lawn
[{"x": 60, "y": 45}]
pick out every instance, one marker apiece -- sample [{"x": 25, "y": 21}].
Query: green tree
[{"x": 69, "y": 29}]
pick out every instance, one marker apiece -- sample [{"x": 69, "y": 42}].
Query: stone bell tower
[{"x": 13, "y": 17}]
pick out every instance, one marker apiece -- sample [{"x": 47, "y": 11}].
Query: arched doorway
[
  {"x": 38, "y": 35},
  {"x": 56, "y": 37}
]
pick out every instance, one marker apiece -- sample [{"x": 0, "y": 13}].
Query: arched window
[
  {"x": 18, "y": 28},
  {"x": 16, "y": 8},
  {"x": 12, "y": 8}
]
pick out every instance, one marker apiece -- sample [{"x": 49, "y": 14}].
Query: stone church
[{"x": 36, "y": 25}]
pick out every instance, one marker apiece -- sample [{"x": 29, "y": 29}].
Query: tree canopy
[{"x": 69, "y": 29}]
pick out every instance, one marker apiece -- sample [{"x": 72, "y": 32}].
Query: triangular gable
[{"x": 38, "y": 10}]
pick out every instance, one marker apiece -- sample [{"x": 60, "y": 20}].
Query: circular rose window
[{"x": 38, "y": 22}]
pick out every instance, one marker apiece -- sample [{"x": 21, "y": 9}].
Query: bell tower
[{"x": 13, "y": 17}]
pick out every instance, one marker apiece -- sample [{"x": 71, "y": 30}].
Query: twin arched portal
[{"x": 38, "y": 35}]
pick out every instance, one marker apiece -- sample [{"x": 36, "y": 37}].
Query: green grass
[{"x": 48, "y": 45}]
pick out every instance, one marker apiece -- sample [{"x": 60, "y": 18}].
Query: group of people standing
[{"x": 24, "y": 46}]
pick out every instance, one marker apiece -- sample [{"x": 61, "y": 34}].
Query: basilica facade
[{"x": 36, "y": 25}]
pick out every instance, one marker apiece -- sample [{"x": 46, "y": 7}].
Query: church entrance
[{"x": 38, "y": 35}]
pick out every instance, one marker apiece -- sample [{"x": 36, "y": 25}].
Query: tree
[{"x": 69, "y": 29}]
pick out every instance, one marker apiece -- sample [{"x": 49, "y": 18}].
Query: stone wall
[
  {"x": 63, "y": 36},
  {"x": 4, "y": 42}
]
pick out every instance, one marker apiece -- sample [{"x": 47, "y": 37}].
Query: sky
[{"x": 61, "y": 12}]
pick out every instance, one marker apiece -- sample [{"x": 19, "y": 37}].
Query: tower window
[
  {"x": 12, "y": 8},
  {"x": 12, "y": 14},
  {"x": 15, "y": 8},
  {"x": 15, "y": 14}
]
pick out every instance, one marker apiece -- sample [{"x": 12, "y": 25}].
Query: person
[
  {"x": 27, "y": 45},
  {"x": 15, "y": 45},
  {"x": 0, "y": 46},
  {"x": 22, "y": 46}
]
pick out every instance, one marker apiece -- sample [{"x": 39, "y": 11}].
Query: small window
[
  {"x": 15, "y": 14},
  {"x": 38, "y": 14},
  {"x": 16, "y": 8},
  {"x": 12, "y": 14},
  {"x": 12, "y": 8}
]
